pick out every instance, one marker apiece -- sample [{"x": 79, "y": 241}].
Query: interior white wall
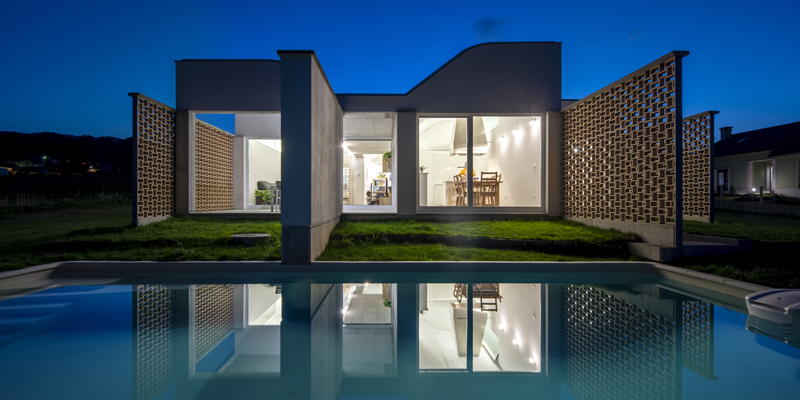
[
  {"x": 520, "y": 315},
  {"x": 264, "y": 164},
  {"x": 258, "y": 126},
  {"x": 260, "y": 298},
  {"x": 515, "y": 156},
  {"x": 359, "y": 190}
]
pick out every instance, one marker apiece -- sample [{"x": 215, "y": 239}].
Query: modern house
[
  {"x": 767, "y": 158},
  {"x": 491, "y": 123}
]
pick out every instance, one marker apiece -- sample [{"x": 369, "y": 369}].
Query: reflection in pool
[{"x": 387, "y": 340}]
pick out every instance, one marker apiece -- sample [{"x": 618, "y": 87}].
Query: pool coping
[{"x": 125, "y": 268}]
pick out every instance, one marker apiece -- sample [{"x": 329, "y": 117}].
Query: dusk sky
[{"x": 67, "y": 66}]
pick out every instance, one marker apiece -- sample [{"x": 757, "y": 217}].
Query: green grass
[
  {"x": 381, "y": 250},
  {"x": 773, "y": 260},
  {"x": 558, "y": 230},
  {"x": 760, "y": 227},
  {"x": 106, "y": 234}
]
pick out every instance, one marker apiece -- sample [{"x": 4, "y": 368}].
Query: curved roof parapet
[{"x": 498, "y": 77}]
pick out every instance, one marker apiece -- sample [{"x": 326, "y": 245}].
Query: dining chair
[
  {"x": 461, "y": 191},
  {"x": 488, "y": 189}
]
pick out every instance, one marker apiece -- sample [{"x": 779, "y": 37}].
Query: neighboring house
[
  {"x": 611, "y": 159},
  {"x": 768, "y": 158}
]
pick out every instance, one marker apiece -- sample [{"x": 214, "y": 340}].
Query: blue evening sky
[{"x": 68, "y": 66}]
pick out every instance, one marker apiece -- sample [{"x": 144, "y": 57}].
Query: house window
[
  {"x": 264, "y": 174},
  {"x": 442, "y": 162},
  {"x": 722, "y": 180},
  {"x": 368, "y": 178},
  {"x": 507, "y": 159}
]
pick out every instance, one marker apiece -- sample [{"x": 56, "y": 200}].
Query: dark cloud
[
  {"x": 489, "y": 28},
  {"x": 634, "y": 35}
]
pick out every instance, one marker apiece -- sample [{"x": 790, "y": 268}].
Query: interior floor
[
  {"x": 366, "y": 306},
  {"x": 367, "y": 351}
]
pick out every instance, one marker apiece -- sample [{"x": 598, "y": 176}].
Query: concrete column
[
  {"x": 311, "y": 159},
  {"x": 239, "y": 172},
  {"x": 184, "y": 162},
  {"x": 407, "y": 166},
  {"x": 554, "y": 139}
]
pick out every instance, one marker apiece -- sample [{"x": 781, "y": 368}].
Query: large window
[
  {"x": 368, "y": 178},
  {"x": 442, "y": 161},
  {"x": 264, "y": 174},
  {"x": 506, "y": 159}
]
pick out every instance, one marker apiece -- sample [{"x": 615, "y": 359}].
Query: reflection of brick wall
[
  {"x": 154, "y": 135},
  {"x": 620, "y": 150},
  {"x": 698, "y": 334},
  {"x": 155, "y": 320},
  {"x": 214, "y": 168},
  {"x": 616, "y": 350},
  {"x": 697, "y": 159},
  {"x": 213, "y": 317}
]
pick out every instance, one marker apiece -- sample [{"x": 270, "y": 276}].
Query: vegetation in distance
[
  {"x": 742, "y": 225},
  {"x": 106, "y": 235},
  {"x": 28, "y": 194},
  {"x": 552, "y": 230}
]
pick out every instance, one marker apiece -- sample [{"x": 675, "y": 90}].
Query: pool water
[{"x": 243, "y": 338}]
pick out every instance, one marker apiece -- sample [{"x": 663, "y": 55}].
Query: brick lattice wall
[
  {"x": 698, "y": 334},
  {"x": 214, "y": 168},
  {"x": 620, "y": 150},
  {"x": 154, "y": 132},
  {"x": 697, "y": 159},
  {"x": 155, "y": 323}
]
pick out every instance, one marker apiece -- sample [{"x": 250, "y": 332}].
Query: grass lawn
[
  {"x": 558, "y": 230},
  {"x": 773, "y": 261},
  {"x": 106, "y": 234},
  {"x": 380, "y": 250}
]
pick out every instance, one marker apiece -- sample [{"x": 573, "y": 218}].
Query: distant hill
[{"x": 84, "y": 148}]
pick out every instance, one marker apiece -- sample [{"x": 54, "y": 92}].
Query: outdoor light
[{"x": 754, "y": 189}]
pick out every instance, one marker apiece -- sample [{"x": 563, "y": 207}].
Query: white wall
[
  {"x": 514, "y": 157},
  {"x": 264, "y": 165},
  {"x": 359, "y": 174}
]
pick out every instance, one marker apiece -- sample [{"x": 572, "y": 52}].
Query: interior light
[
  {"x": 366, "y": 284},
  {"x": 502, "y": 327},
  {"x": 515, "y": 342},
  {"x": 532, "y": 361},
  {"x": 533, "y": 121},
  {"x": 516, "y": 131},
  {"x": 344, "y": 311},
  {"x": 575, "y": 149}
]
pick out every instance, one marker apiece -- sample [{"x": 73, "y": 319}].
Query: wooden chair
[
  {"x": 461, "y": 191},
  {"x": 488, "y": 193}
]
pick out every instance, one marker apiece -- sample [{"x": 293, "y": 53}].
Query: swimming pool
[{"x": 387, "y": 336}]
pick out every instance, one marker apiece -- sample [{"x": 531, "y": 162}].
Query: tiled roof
[{"x": 759, "y": 140}]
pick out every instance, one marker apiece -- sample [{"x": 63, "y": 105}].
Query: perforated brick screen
[
  {"x": 213, "y": 318},
  {"x": 697, "y": 164},
  {"x": 213, "y": 168},
  {"x": 620, "y": 150},
  {"x": 154, "y": 134}
]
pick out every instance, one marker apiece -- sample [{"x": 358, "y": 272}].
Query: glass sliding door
[
  {"x": 507, "y": 161},
  {"x": 263, "y": 174},
  {"x": 443, "y": 162},
  {"x": 367, "y": 175}
]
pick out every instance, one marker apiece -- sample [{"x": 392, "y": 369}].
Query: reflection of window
[{"x": 722, "y": 179}]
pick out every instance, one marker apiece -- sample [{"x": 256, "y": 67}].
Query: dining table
[{"x": 477, "y": 186}]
